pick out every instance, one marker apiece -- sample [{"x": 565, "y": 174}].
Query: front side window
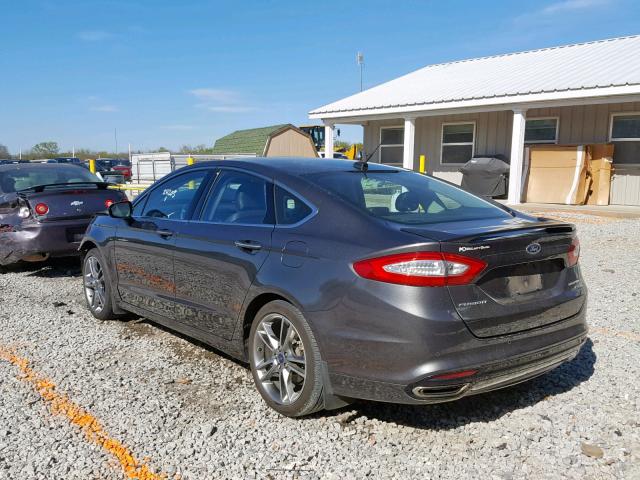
[
  {"x": 174, "y": 198},
  {"x": 406, "y": 197},
  {"x": 625, "y": 135},
  {"x": 457, "y": 142},
  {"x": 239, "y": 198},
  {"x": 391, "y": 145},
  {"x": 289, "y": 208},
  {"x": 541, "y": 130}
]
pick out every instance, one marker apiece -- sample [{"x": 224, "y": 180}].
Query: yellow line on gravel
[{"x": 60, "y": 404}]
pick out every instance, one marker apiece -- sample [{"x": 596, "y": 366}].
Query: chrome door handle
[
  {"x": 164, "y": 233},
  {"x": 247, "y": 245}
]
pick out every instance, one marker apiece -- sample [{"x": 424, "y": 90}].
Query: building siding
[
  {"x": 577, "y": 125},
  {"x": 290, "y": 143}
]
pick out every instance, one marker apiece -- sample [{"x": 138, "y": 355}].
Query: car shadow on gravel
[
  {"x": 189, "y": 350},
  {"x": 488, "y": 406},
  {"x": 52, "y": 268}
]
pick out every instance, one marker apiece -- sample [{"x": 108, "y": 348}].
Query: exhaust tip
[{"x": 440, "y": 392}]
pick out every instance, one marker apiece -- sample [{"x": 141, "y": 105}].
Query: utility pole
[
  {"x": 360, "y": 63},
  {"x": 115, "y": 136}
]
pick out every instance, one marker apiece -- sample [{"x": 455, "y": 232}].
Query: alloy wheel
[
  {"x": 94, "y": 285},
  {"x": 279, "y": 359}
]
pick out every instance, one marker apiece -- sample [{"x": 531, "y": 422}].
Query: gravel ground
[{"x": 183, "y": 410}]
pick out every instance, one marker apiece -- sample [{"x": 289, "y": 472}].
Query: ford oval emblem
[{"x": 534, "y": 248}]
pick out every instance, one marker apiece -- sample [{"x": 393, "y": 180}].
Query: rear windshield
[
  {"x": 407, "y": 198},
  {"x": 23, "y": 177}
]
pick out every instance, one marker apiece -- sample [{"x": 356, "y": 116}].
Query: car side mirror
[{"x": 121, "y": 210}]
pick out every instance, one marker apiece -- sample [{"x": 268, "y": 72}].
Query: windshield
[
  {"x": 407, "y": 198},
  {"x": 23, "y": 177}
]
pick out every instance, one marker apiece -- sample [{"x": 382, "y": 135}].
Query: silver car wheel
[
  {"x": 279, "y": 359},
  {"x": 94, "y": 286}
]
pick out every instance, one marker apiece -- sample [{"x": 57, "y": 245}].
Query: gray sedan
[{"x": 338, "y": 280}]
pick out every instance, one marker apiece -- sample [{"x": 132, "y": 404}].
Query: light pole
[{"x": 360, "y": 63}]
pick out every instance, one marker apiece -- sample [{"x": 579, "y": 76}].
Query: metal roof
[
  {"x": 604, "y": 67},
  {"x": 250, "y": 141}
]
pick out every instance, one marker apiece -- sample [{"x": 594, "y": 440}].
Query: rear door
[
  {"x": 219, "y": 253},
  {"x": 144, "y": 246}
]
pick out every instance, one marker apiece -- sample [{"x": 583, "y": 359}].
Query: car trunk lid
[
  {"x": 71, "y": 202},
  {"x": 527, "y": 282}
]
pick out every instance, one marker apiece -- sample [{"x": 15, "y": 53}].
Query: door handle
[
  {"x": 247, "y": 245},
  {"x": 164, "y": 233}
]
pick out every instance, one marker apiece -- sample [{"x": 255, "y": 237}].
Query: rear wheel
[
  {"x": 97, "y": 286},
  {"x": 285, "y": 360}
]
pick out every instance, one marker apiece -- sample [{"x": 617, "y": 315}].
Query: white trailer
[{"x": 146, "y": 168}]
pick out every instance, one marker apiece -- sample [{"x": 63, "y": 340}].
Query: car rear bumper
[
  {"x": 491, "y": 376},
  {"x": 394, "y": 359},
  {"x": 60, "y": 238}
]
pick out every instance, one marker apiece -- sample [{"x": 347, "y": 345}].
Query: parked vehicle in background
[
  {"x": 73, "y": 160},
  {"x": 123, "y": 167},
  {"x": 45, "y": 209},
  {"x": 339, "y": 279},
  {"x": 336, "y": 155},
  {"x": 115, "y": 166},
  {"x": 12, "y": 162}
]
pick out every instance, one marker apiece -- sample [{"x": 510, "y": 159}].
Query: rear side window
[
  {"x": 239, "y": 198},
  {"x": 289, "y": 208},
  {"x": 173, "y": 199},
  {"x": 406, "y": 197}
]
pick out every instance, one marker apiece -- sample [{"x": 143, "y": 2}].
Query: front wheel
[
  {"x": 97, "y": 286},
  {"x": 285, "y": 360}
]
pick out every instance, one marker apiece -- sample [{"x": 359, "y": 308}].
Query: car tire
[
  {"x": 96, "y": 284},
  {"x": 276, "y": 364}
]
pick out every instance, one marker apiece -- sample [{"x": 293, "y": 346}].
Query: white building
[{"x": 574, "y": 94}]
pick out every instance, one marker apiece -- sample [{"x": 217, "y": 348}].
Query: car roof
[
  {"x": 31, "y": 165},
  {"x": 295, "y": 166}
]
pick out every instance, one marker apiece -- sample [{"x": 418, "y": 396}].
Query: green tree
[
  {"x": 197, "y": 150},
  {"x": 45, "y": 149},
  {"x": 340, "y": 145},
  {"x": 4, "y": 151}
]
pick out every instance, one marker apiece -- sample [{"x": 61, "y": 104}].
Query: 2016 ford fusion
[{"x": 338, "y": 280}]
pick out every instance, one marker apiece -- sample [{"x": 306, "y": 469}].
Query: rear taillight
[
  {"x": 574, "y": 252},
  {"x": 421, "y": 269},
  {"x": 108, "y": 203},
  {"x": 41, "y": 209}
]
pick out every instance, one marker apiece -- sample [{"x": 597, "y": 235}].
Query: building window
[
  {"x": 391, "y": 145},
  {"x": 541, "y": 130},
  {"x": 625, "y": 135},
  {"x": 457, "y": 142}
]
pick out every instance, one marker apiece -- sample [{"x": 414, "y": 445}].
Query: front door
[
  {"x": 144, "y": 246},
  {"x": 219, "y": 253}
]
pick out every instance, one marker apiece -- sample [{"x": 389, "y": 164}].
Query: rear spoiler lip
[
  {"x": 541, "y": 227},
  {"x": 41, "y": 188}
]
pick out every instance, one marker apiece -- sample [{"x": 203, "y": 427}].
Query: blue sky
[{"x": 167, "y": 73}]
